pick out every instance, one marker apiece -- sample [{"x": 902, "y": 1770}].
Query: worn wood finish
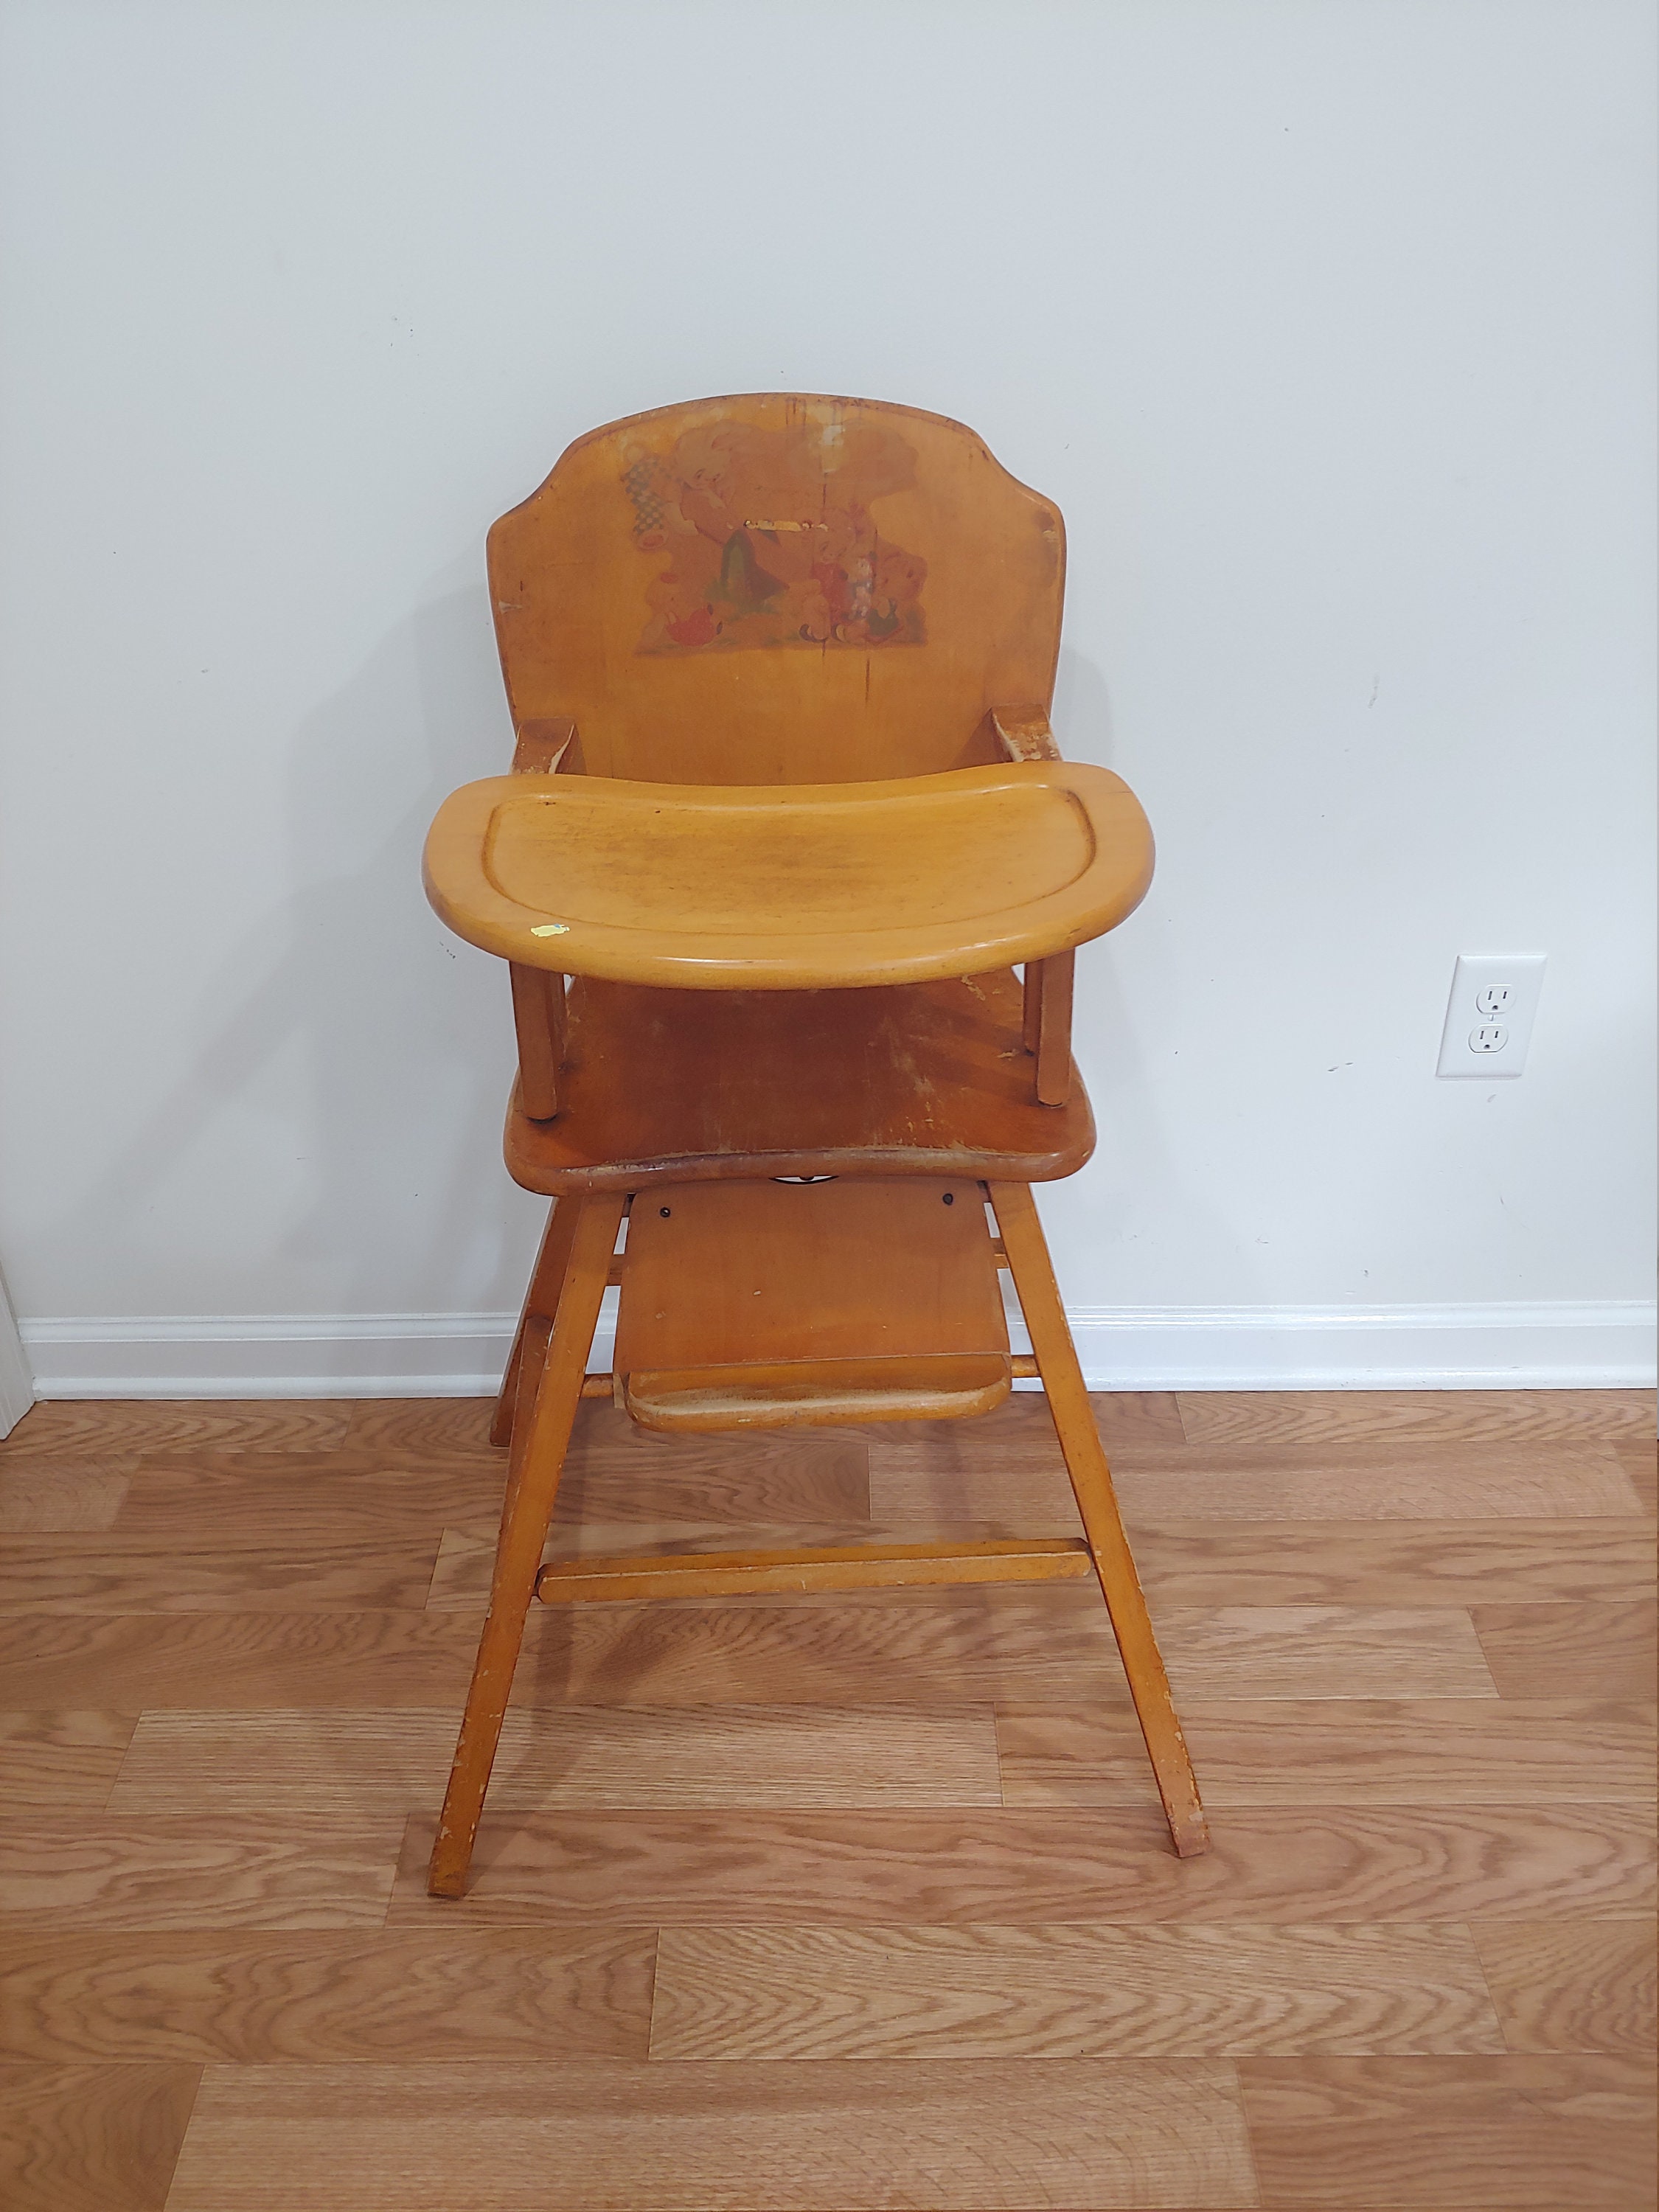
[
  {"x": 785, "y": 887},
  {"x": 546, "y": 745},
  {"x": 1092, "y": 1482},
  {"x": 929, "y": 1080},
  {"x": 1022, "y": 732},
  {"x": 555, "y": 1356}
]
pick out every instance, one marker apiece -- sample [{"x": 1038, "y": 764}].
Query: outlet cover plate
[{"x": 1489, "y": 1016}]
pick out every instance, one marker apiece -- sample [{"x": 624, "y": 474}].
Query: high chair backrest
[{"x": 778, "y": 588}]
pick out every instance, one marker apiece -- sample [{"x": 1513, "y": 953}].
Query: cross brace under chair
[{"x": 784, "y": 814}]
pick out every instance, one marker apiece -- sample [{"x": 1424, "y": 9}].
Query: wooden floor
[{"x": 840, "y": 1902}]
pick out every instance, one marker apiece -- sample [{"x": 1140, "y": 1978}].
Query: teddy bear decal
[{"x": 765, "y": 538}]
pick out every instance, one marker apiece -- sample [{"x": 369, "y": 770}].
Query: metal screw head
[
  {"x": 950, "y": 1198},
  {"x": 664, "y": 1210}
]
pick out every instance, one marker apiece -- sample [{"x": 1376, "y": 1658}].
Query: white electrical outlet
[{"x": 1489, "y": 1015}]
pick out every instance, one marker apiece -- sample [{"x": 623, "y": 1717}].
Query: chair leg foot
[
  {"x": 552, "y": 1357},
  {"x": 1102, "y": 1525}
]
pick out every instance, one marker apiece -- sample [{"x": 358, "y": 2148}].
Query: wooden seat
[
  {"x": 933, "y": 1080},
  {"x": 785, "y": 813}
]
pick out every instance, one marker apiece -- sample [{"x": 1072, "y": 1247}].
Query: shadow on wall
[
  {"x": 396, "y": 1040},
  {"x": 1106, "y": 1206}
]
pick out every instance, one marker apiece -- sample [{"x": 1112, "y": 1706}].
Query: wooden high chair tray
[{"x": 789, "y": 886}]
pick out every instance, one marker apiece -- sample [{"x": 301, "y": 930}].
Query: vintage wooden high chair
[{"x": 784, "y": 814}]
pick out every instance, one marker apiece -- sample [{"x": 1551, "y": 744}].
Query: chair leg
[
  {"x": 552, "y": 1358},
  {"x": 539, "y": 1297},
  {"x": 1092, "y": 1481}
]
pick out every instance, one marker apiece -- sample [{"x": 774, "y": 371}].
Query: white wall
[{"x": 1329, "y": 325}]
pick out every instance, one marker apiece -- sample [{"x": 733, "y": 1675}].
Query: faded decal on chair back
[
  {"x": 758, "y": 537},
  {"x": 778, "y": 587}
]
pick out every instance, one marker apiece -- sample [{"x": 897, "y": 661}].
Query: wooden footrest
[
  {"x": 856, "y": 1566},
  {"x": 788, "y": 1394},
  {"x": 766, "y": 1304}
]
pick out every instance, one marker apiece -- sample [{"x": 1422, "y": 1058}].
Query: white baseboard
[{"x": 1576, "y": 1346}]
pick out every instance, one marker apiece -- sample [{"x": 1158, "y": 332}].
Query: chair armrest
[
  {"x": 548, "y": 747},
  {"x": 1024, "y": 733}
]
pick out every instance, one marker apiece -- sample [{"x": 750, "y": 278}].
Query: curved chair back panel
[{"x": 778, "y": 588}]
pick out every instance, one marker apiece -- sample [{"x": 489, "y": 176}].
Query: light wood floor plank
[
  {"x": 51, "y": 1496},
  {"x": 1321, "y": 1651},
  {"x": 1461, "y": 1563},
  {"x": 1641, "y": 1463},
  {"x": 1021, "y": 1430},
  {"x": 1428, "y": 1417},
  {"x": 206, "y": 1868},
  {"x": 64, "y": 1758},
  {"x": 995, "y": 2136},
  {"x": 283, "y": 1500},
  {"x": 1545, "y": 2132},
  {"x": 616, "y": 1471},
  {"x": 1267, "y": 1864},
  {"x": 1201, "y": 1563},
  {"x": 1574, "y": 1650},
  {"x": 113, "y": 1573},
  {"x": 91, "y": 2138},
  {"x": 929, "y": 1647},
  {"x": 422, "y": 1426},
  {"x": 1066, "y": 1992},
  {"x": 1569, "y": 1985},
  {"x": 241, "y": 1659},
  {"x": 262, "y": 1998},
  {"x": 1355, "y": 1483},
  {"x": 864, "y": 1948},
  {"x": 718, "y": 1755},
  {"x": 77, "y": 1429},
  {"x": 460, "y": 1579},
  {"x": 939, "y": 1645},
  {"x": 1351, "y": 1752}
]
